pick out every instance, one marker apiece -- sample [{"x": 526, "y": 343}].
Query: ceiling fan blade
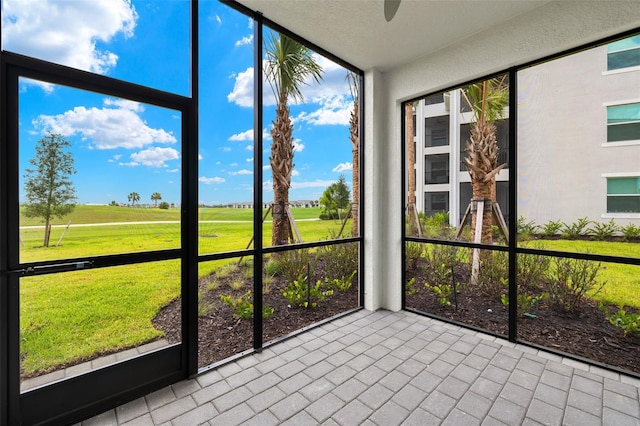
[{"x": 390, "y": 9}]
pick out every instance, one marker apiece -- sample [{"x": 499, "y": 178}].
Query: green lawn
[{"x": 68, "y": 317}]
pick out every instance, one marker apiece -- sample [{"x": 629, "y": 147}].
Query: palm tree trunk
[
  {"x": 281, "y": 166},
  {"x": 355, "y": 144},
  {"x": 411, "y": 171}
]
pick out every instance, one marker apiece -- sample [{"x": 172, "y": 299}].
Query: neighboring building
[{"x": 578, "y": 141}]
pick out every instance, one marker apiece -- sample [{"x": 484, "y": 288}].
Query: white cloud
[
  {"x": 311, "y": 184},
  {"x": 249, "y": 148},
  {"x": 250, "y": 160},
  {"x": 241, "y": 172},
  {"x": 115, "y": 158},
  {"x": 155, "y": 156},
  {"x": 297, "y": 145},
  {"x": 200, "y": 157},
  {"x": 295, "y": 173},
  {"x": 243, "y": 136},
  {"x": 343, "y": 167},
  {"x": 210, "y": 180},
  {"x": 106, "y": 128},
  {"x": 266, "y": 167},
  {"x": 226, "y": 149},
  {"x": 218, "y": 19},
  {"x": 233, "y": 165},
  {"x": 242, "y": 93},
  {"x": 245, "y": 40},
  {"x": 66, "y": 32},
  {"x": 334, "y": 110}
]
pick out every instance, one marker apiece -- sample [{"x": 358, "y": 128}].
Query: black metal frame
[
  {"x": 512, "y": 247},
  {"x": 85, "y": 395}
]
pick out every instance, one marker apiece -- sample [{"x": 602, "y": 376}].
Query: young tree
[
  {"x": 133, "y": 198},
  {"x": 48, "y": 187},
  {"x": 354, "y": 135},
  {"x": 487, "y": 100},
  {"x": 155, "y": 197},
  {"x": 289, "y": 65},
  {"x": 336, "y": 196}
]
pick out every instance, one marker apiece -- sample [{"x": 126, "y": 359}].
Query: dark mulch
[
  {"x": 586, "y": 333},
  {"x": 221, "y": 334}
]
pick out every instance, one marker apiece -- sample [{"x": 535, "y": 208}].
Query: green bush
[
  {"x": 575, "y": 229},
  {"x": 628, "y": 322},
  {"x": 337, "y": 260},
  {"x": 413, "y": 253},
  {"x": 440, "y": 279},
  {"x": 300, "y": 292},
  {"x": 551, "y": 228},
  {"x": 296, "y": 263},
  {"x": 494, "y": 267},
  {"x": 630, "y": 231},
  {"x": 602, "y": 231},
  {"x": 525, "y": 301},
  {"x": 163, "y": 205},
  {"x": 571, "y": 280},
  {"x": 242, "y": 306},
  {"x": 525, "y": 229}
]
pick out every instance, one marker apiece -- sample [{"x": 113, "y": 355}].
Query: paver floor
[{"x": 390, "y": 368}]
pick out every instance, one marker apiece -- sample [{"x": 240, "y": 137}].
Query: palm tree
[
  {"x": 155, "y": 197},
  {"x": 354, "y": 136},
  {"x": 133, "y": 198},
  {"x": 289, "y": 65},
  {"x": 487, "y": 100},
  {"x": 411, "y": 172}
]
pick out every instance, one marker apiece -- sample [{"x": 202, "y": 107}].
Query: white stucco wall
[{"x": 549, "y": 29}]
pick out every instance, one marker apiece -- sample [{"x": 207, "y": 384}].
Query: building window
[
  {"x": 435, "y": 99},
  {"x": 436, "y": 202},
  {"x": 436, "y": 131},
  {"x": 436, "y": 169},
  {"x": 623, "y": 195},
  {"x": 623, "y": 122},
  {"x": 624, "y": 53}
]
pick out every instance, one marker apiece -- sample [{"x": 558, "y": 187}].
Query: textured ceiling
[{"x": 357, "y": 32}]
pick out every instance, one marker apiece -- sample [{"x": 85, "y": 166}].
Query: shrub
[
  {"x": 343, "y": 283},
  {"x": 296, "y": 263},
  {"x": 243, "y": 308},
  {"x": 410, "y": 287},
  {"x": 440, "y": 277},
  {"x": 494, "y": 267},
  {"x": 163, "y": 205},
  {"x": 551, "y": 228},
  {"x": 571, "y": 280},
  {"x": 413, "y": 253},
  {"x": 300, "y": 292},
  {"x": 525, "y": 302},
  {"x": 337, "y": 260},
  {"x": 575, "y": 229},
  {"x": 630, "y": 231},
  {"x": 531, "y": 268},
  {"x": 273, "y": 267},
  {"x": 628, "y": 322},
  {"x": 525, "y": 229},
  {"x": 602, "y": 231}
]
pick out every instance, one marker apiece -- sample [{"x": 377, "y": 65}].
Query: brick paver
[{"x": 391, "y": 368}]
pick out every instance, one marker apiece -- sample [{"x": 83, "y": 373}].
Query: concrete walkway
[{"x": 384, "y": 368}]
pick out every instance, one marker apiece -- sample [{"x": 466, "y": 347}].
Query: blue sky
[{"x": 120, "y": 146}]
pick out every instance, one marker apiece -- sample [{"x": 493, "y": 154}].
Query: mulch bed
[
  {"x": 586, "y": 333},
  {"x": 221, "y": 334}
]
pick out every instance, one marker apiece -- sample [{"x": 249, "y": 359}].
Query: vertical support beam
[
  {"x": 189, "y": 210},
  {"x": 513, "y": 203},
  {"x": 257, "y": 180}
]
